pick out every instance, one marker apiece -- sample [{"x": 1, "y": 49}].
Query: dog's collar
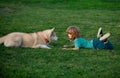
[{"x": 46, "y": 40}]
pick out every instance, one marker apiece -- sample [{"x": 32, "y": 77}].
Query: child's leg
[
  {"x": 100, "y": 45},
  {"x": 105, "y": 37},
  {"x": 101, "y": 36},
  {"x": 100, "y": 33},
  {"x": 109, "y": 45}
]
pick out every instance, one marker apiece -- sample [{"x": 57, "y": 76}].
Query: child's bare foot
[{"x": 104, "y": 37}]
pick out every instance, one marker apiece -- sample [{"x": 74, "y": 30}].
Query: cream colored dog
[{"x": 33, "y": 40}]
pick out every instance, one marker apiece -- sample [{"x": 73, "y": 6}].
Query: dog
[{"x": 39, "y": 39}]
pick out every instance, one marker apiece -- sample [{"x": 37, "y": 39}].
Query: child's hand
[
  {"x": 65, "y": 46},
  {"x": 70, "y": 48},
  {"x": 71, "y": 45}
]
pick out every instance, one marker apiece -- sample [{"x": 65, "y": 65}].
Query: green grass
[{"x": 37, "y": 15}]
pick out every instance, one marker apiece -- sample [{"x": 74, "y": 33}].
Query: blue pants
[{"x": 100, "y": 45}]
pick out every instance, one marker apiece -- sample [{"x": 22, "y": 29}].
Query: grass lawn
[{"x": 37, "y": 15}]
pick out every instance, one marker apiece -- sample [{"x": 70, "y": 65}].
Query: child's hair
[{"x": 74, "y": 31}]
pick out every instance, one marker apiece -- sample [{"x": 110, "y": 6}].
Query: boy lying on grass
[{"x": 101, "y": 43}]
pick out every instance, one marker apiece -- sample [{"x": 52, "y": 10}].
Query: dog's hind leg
[
  {"x": 16, "y": 42},
  {"x": 1, "y": 40}
]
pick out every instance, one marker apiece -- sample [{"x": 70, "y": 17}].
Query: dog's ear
[{"x": 52, "y": 29}]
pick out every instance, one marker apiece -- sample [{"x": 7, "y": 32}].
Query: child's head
[{"x": 73, "y": 32}]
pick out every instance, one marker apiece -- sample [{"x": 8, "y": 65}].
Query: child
[{"x": 101, "y": 43}]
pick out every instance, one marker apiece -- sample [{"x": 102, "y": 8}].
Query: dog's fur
[{"x": 32, "y": 40}]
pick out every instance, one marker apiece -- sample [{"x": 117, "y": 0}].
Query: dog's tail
[{"x": 1, "y": 40}]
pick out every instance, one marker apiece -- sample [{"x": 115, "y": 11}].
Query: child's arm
[
  {"x": 71, "y": 45},
  {"x": 71, "y": 48}
]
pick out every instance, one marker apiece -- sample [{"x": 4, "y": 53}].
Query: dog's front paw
[
  {"x": 50, "y": 46},
  {"x": 44, "y": 46}
]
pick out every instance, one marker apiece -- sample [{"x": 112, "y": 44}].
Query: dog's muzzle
[{"x": 54, "y": 38}]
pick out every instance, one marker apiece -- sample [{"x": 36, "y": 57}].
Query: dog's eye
[{"x": 52, "y": 33}]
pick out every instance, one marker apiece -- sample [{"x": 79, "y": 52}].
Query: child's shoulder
[{"x": 80, "y": 38}]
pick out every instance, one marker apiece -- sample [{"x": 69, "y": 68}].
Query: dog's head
[{"x": 50, "y": 34}]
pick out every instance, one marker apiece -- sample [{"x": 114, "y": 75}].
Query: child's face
[{"x": 70, "y": 36}]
